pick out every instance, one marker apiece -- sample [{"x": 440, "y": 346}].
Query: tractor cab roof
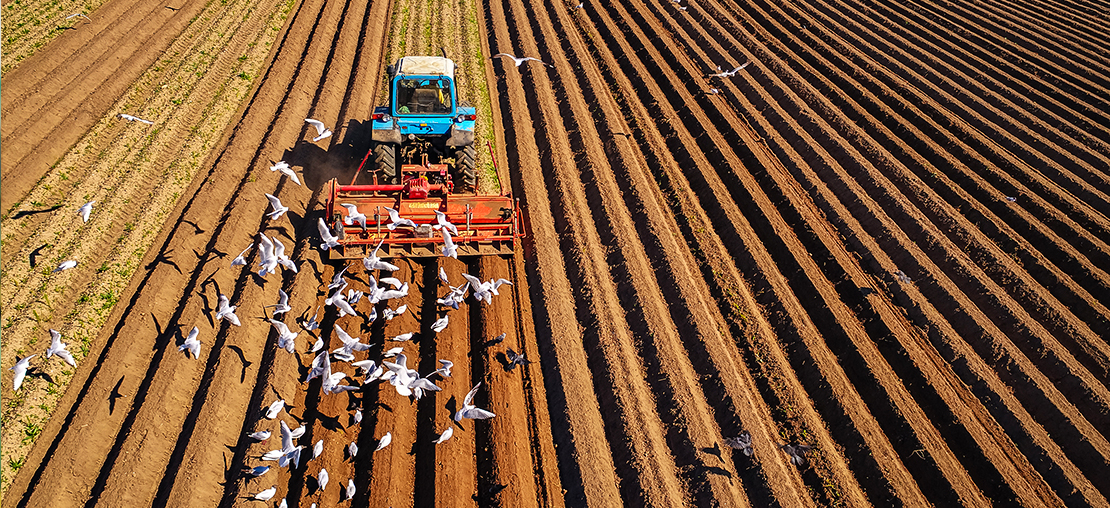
[{"x": 426, "y": 65}]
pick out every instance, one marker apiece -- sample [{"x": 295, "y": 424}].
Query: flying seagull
[
  {"x": 66, "y": 265},
  {"x": 85, "y": 210},
  {"x": 353, "y": 215},
  {"x": 445, "y": 436},
  {"x": 519, "y": 61},
  {"x": 192, "y": 343},
  {"x": 469, "y": 410},
  {"x": 445, "y": 370},
  {"x": 330, "y": 241},
  {"x": 440, "y": 324},
  {"x": 395, "y": 220},
  {"x": 279, "y": 210},
  {"x": 135, "y": 119},
  {"x": 286, "y": 170},
  {"x": 241, "y": 260},
  {"x": 312, "y": 324},
  {"x": 20, "y": 369},
  {"x": 282, "y": 259},
  {"x": 227, "y": 311},
  {"x": 283, "y": 304},
  {"x": 450, "y": 250},
  {"x": 729, "y": 74},
  {"x": 320, "y": 129},
  {"x": 743, "y": 442},
  {"x": 285, "y": 336},
  {"x": 515, "y": 359},
  {"x": 443, "y": 277},
  {"x": 275, "y": 408},
  {"x": 81, "y": 14},
  {"x": 442, "y": 222},
  {"x": 579, "y": 6},
  {"x": 375, "y": 263},
  {"x": 796, "y": 453},
  {"x": 57, "y": 347}
]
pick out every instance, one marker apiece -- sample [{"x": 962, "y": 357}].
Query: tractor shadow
[{"x": 317, "y": 165}]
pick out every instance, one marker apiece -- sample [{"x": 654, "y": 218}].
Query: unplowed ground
[{"x": 885, "y": 238}]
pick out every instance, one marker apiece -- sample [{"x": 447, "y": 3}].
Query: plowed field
[{"x": 887, "y": 238}]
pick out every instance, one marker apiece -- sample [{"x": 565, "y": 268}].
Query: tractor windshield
[{"x": 423, "y": 96}]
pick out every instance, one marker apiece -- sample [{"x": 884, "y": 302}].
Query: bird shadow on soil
[
  {"x": 243, "y": 359},
  {"x": 452, "y": 407},
  {"x": 32, "y": 258},
  {"x": 115, "y": 395},
  {"x": 319, "y": 165},
  {"x": 163, "y": 258},
  {"x": 25, "y": 213},
  {"x": 715, "y": 451},
  {"x": 38, "y": 373},
  {"x": 330, "y": 422}
]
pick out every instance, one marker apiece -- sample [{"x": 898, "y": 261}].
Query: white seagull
[
  {"x": 449, "y": 248},
  {"x": 729, "y": 74},
  {"x": 279, "y": 210},
  {"x": 395, "y": 220},
  {"x": 318, "y": 449},
  {"x": 286, "y": 170},
  {"x": 192, "y": 343},
  {"x": 519, "y": 61},
  {"x": 285, "y": 336},
  {"x": 386, "y": 439},
  {"x": 261, "y": 435},
  {"x": 445, "y": 436},
  {"x": 265, "y": 495},
  {"x": 440, "y": 324},
  {"x": 469, "y": 410},
  {"x": 275, "y": 408},
  {"x": 389, "y": 313},
  {"x": 76, "y": 14},
  {"x": 57, "y": 347},
  {"x": 323, "y": 478},
  {"x": 352, "y": 449},
  {"x": 283, "y": 304},
  {"x": 241, "y": 259},
  {"x": 279, "y": 255},
  {"x": 85, "y": 210},
  {"x": 320, "y": 129},
  {"x": 312, "y": 324},
  {"x": 135, "y": 119},
  {"x": 442, "y": 222},
  {"x": 375, "y": 263},
  {"x": 20, "y": 369},
  {"x": 353, "y": 215},
  {"x": 350, "y": 488},
  {"x": 66, "y": 265},
  {"x": 266, "y": 258},
  {"x": 330, "y": 241},
  {"x": 226, "y": 311},
  {"x": 403, "y": 337}
]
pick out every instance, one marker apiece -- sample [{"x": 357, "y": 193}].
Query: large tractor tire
[
  {"x": 385, "y": 160},
  {"x": 466, "y": 171}
]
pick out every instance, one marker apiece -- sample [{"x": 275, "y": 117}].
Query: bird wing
[
  {"x": 281, "y": 328},
  {"x": 470, "y": 395},
  {"x": 475, "y": 282},
  {"x": 477, "y": 413},
  {"x": 443, "y": 276},
  {"x": 283, "y": 298},
  {"x": 286, "y": 438},
  {"x": 344, "y": 336},
  {"x": 274, "y": 201},
  {"x": 318, "y": 124}
]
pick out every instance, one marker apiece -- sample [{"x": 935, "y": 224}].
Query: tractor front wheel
[
  {"x": 385, "y": 161},
  {"x": 466, "y": 171}
]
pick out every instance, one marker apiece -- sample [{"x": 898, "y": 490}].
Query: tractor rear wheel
[
  {"x": 385, "y": 161},
  {"x": 466, "y": 171}
]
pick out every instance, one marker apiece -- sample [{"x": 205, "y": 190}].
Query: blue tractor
[{"x": 425, "y": 123}]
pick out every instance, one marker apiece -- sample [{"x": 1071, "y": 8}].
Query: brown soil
[{"x": 697, "y": 264}]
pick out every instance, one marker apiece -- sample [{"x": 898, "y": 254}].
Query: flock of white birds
[{"x": 406, "y": 381}]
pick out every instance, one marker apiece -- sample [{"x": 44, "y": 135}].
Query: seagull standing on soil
[
  {"x": 66, "y": 265},
  {"x": 323, "y": 478},
  {"x": 330, "y": 241},
  {"x": 279, "y": 210},
  {"x": 265, "y": 495},
  {"x": 350, "y": 488},
  {"x": 241, "y": 260},
  {"x": 440, "y": 324},
  {"x": 134, "y": 119},
  {"x": 192, "y": 343},
  {"x": 521, "y": 60},
  {"x": 57, "y": 347},
  {"x": 20, "y": 369},
  {"x": 469, "y": 410},
  {"x": 85, "y": 210},
  {"x": 318, "y": 448},
  {"x": 320, "y": 129},
  {"x": 286, "y": 170},
  {"x": 352, "y": 449},
  {"x": 261, "y": 435},
  {"x": 226, "y": 311},
  {"x": 386, "y": 439}
]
